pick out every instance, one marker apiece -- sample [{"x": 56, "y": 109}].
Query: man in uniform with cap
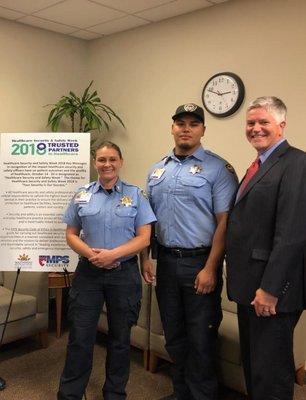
[{"x": 191, "y": 191}]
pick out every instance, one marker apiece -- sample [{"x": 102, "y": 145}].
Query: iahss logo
[
  {"x": 46, "y": 261},
  {"x": 23, "y": 261}
]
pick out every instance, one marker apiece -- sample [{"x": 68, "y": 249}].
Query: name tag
[
  {"x": 82, "y": 197},
  {"x": 157, "y": 173}
]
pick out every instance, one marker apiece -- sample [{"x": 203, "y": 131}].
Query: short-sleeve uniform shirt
[
  {"x": 186, "y": 195},
  {"x": 107, "y": 220}
]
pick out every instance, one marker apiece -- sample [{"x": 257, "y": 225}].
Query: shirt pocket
[
  {"x": 156, "y": 187},
  {"x": 196, "y": 187},
  {"x": 194, "y": 181},
  {"x": 87, "y": 210},
  {"x": 123, "y": 211},
  {"x": 124, "y": 219}
]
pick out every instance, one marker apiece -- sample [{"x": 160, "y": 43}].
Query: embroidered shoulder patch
[
  {"x": 144, "y": 193},
  {"x": 230, "y": 168}
]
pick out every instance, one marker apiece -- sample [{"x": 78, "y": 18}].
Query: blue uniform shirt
[
  {"x": 108, "y": 220},
  {"x": 186, "y": 195}
]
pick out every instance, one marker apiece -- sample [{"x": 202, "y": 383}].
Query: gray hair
[{"x": 273, "y": 105}]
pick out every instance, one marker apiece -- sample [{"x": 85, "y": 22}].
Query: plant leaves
[
  {"x": 84, "y": 97},
  {"x": 89, "y": 108}
]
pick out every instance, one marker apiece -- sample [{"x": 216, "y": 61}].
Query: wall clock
[{"x": 223, "y": 94}]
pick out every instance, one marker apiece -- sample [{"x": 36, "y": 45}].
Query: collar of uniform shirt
[
  {"x": 117, "y": 187},
  {"x": 199, "y": 154},
  {"x": 263, "y": 157}
]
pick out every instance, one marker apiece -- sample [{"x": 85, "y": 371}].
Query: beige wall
[
  {"x": 36, "y": 68},
  {"x": 145, "y": 73}
]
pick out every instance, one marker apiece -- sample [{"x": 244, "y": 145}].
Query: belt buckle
[{"x": 178, "y": 252}]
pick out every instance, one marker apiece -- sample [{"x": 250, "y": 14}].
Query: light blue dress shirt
[
  {"x": 263, "y": 156},
  {"x": 108, "y": 220},
  {"x": 186, "y": 195}
]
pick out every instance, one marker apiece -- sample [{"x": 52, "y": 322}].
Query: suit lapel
[{"x": 265, "y": 167}]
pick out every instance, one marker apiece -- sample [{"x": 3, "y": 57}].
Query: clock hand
[
  {"x": 212, "y": 91},
  {"x": 221, "y": 94}
]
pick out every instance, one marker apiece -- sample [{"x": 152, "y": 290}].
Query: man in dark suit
[{"x": 266, "y": 242}]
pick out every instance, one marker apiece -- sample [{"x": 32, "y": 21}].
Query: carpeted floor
[{"x": 33, "y": 373}]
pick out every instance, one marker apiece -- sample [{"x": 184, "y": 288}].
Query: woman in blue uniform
[{"x": 108, "y": 223}]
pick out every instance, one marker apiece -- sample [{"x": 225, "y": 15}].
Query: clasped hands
[
  {"x": 104, "y": 258},
  {"x": 264, "y": 303}
]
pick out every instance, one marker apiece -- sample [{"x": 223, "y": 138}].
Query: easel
[
  {"x": 9, "y": 308},
  {"x": 68, "y": 284}
]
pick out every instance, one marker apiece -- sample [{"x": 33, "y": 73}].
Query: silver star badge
[
  {"x": 126, "y": 201},
  {"x": 195, "y": 169}
]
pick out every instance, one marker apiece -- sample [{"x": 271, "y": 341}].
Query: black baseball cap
[{"x": 190, "y": 108}]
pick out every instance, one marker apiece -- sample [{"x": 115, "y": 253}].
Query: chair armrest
[{"x": 31, "y": 283}]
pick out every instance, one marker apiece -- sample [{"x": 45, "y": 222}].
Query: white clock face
[{"x": 221, "y": 94}]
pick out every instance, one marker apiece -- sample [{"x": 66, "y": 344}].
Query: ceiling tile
[
  {"x": 173, "y": 9},
  {"x": 27, "y": 6},
  {"x": 79, "y": 13},
  {"x": 41, "y": 23},
  {"x": 9, "y": 14},
  {"x": 89, "y": 19},
  {"x": 119, "y": 25},
  {"x": 85, "y": 35},
  {"x": 132, "y": 6}
]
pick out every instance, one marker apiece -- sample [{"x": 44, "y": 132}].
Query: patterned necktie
[{"x": 251, "y": 171}]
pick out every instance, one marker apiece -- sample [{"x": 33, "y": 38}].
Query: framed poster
[{"x": 39, "y": 173}]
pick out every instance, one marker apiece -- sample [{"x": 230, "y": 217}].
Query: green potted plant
[{"x": 87, "y": 112}]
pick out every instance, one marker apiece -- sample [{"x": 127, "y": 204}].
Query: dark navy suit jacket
[{"x": 266, "y": 235}]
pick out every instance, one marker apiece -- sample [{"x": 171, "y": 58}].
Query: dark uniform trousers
[
  {"x": 120, "y": 290},
  {"x": 267, "y": 353},
  {"x": 190, "y": 323}
]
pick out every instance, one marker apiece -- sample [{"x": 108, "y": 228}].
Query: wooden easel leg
[
  {"x": 58, "y": 301},
  {"x": 43, "y": 339},
  {"x": 300, "y": 375},
  {"x": 146, "y": 355},
  {"x": 153, "y": 362}
]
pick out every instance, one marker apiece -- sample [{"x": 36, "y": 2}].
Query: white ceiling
[{"x": 91, "y": 19}]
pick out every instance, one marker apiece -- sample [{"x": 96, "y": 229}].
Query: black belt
[
  {"x": 130, "y": 260},
  {"x": 182, "y": 252}
]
